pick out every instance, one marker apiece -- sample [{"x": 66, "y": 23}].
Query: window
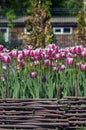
[
  {"x": 66, "y": 30},
  {"x": 4, "y": 32},
  {"x": 62, "y": 30},
  {"x": 26, "y": 31},
  {"x": 57, "y": 30}
]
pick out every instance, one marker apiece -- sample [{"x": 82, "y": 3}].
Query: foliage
[
  {"x": 14, "y": 4},
  {"x": 10, "y": 15},
  {"x": 72, "y": 4},
  {"x": 2, "y": 40},
  {"x": 67, "y": 3},
  {"x": 55, "y": 3},
  {"x": 14, "y": 43},
  {"x": 77, "y": 129},
  {"x": 38, "y": 24},
  {"x": 81, "y": 27}
]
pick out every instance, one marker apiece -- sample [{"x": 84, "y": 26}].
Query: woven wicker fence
[{"x": 43, "y": 114}]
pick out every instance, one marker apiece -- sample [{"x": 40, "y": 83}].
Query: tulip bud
[
  {"x": 4, "y": 67},
  {"x": 79, "y": 49},
  {"x": 33, "y": 75},
  {"x": 1, "y": 56},
  {"x": 7, "y": 59},
  {"x": 47, "y": 63},
  {"x": 83, "y": 53},
  {"x": 26, "y": 52},
  {"x": 73, "y": 50},
  {"x": 1, "y": 47},
  {"x": 83, "y": 67},
  {"x": 43, "y": 79},
  {"x": 20, "y": 56},
  {"x": 29, "y": 47},
  {"x": 62, "y": 67},
  {"x": 14, "y": 53},
  {"x": 69, "y": 61},
  {"x": 55, "y": 69}
]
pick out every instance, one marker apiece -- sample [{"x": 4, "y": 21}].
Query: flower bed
[{"x": 37, "y": 73}]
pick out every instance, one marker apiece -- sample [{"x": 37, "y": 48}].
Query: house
[{"x": 64, "y": 28}]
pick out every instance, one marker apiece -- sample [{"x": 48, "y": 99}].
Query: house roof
[
  {"x": 64, "y": 21},
  {"x": 55, "y": 21},
  {"x": 19, "y": 21}
]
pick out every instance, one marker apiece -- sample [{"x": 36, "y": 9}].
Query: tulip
[
  {"x": 69, "y": 61},
  {"x": 78, "y": 64},
  {"x": 54, "y": 63},
  {"x": 83, "y": 53},
  {"x": 67, "y": 49},
  {"x": 62, "y": 55},
  {"x": 58, "y": 56},
  {"x": 55, "y": 69},
  {"x": 29, "y": 47},
  {"x": 69, "y": 55},
  {"x": 48, "y": 51},
  {"x": 21, "y": 63},
  {"x": 32, "y": 53},
  {"x": 4, "y": 67},
  {"x": 10, "y": 53},
  {"x": 53, "y": 47},
  {"x": 14, "y": 53},
  {"x": 33, "y": 75},
  {"x": 38, "y": 52},
  {"x": 17, "y": 68},
  {"x": 1, "y": 56},
  {"x": 61, "y": 50},
  {"x": 26, "y": 53},
  {"x": 62, "y": 67},
  {"x": 2, "y": 78},
  {"x": 6, "y": 50},
  {"x": 47, "y": 63},
  {"x": 20, "y": 57},
  {"x": 83, "y": 67},
  {"x": 7, "y": 59},
  {"x": 56, "y": 49},
  {"x": 36, "y": 62},
  {"x": 79, "y": 49},
  {"x": 73, "y": 50},
  {"x": 1, "y": 47},
  {"x": 43, "y": 79},
  {"x": 45, "y": 56}
]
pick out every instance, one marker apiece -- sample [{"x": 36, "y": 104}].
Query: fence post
[
  {"x": 75, "y": 89},
  {"x": 5, "y": 90},
  {"x": 59, "y": 92}
]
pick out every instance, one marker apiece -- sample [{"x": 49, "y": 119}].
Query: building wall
[
  {"x": 62, "y": 40},
  {"x": 67, "y": 39},
  {"x": 15, "y": 33}
]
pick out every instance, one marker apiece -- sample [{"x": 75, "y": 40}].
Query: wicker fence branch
[{"x": 68, "y": 112}]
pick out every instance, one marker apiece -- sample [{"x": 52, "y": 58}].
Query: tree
[
  {"x": 38, "y": 24},
  {"x": 82, "y": 27},
  {"x": 14, "y": 4},
  {"x": 72, "y": 4},
  {"x": 67, "y": 3},
  {"x": 55, "y": 3}
]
